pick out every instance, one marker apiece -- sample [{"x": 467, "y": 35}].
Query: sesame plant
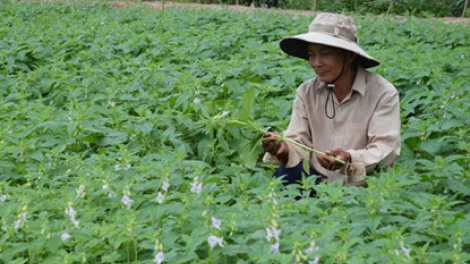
[{"x": 133, "y": 136}]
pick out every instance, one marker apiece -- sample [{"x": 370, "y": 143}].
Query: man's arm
[{"x": 384, "y": 136}]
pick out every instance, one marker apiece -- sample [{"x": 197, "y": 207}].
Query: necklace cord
[{"x": 331, "y": 87}]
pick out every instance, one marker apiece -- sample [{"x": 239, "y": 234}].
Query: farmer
[{"x": 348, "y": 117}]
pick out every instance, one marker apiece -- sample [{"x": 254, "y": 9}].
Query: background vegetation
[
  {"x": 118, "y": 145},
  {"x": 422, "y": 8}
]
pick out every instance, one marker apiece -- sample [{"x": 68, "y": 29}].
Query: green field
[{"x": 129, "y": 132}]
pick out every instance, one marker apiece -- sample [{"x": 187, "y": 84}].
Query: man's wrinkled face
[{"x": 327, "y": 61}]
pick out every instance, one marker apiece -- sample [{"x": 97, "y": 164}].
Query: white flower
[
  {"x": 65, "y": 236},
  {"x": 216, "y": 223},
  {"x": 21, "y": 220},
  {"x": 406, "y": 251},
  {"x": 159, "y": 258},
  {"x": 312, "y": 249},
  {"x": 18, "y": 224},
  {"x": 272, "y": 232},
  {"x": 214, "y": 241},
  {"x": 224, "y": 114},
  {"x": 80, "y": 191},
  {"x": 105, "y": 186},
  {"x": 275, "y": 248},
  {"x": 112, "y": 104},
  {"x": 3, "y": 198},
  {"x": 75, "y": 222},
  {"x": 197, "y": 101},
  {"x": 316, "y": 260},
  {"x": 127, "y": 201},
  {"x": 118, "y": 167},
  {"x": 275, "y": 200},
  {"x": 165, "y": 186},
  {"x": 71, "y": 213},
  {"x": 160, "y": 198},
  {"x": 196, "y": 187}
]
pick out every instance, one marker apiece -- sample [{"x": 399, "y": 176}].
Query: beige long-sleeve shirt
[{"x": 366, "y": 123}]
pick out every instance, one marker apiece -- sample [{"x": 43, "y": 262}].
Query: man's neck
[{"x": 343, "y": 85}]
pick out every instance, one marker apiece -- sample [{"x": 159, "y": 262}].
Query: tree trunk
[
  {"x": 390, "y": 7},
  {"x": 464, "y": 11}
]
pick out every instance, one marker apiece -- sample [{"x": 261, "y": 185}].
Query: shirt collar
[{"x": 359, "y": 84}]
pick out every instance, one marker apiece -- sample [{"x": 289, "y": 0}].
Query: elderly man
[{"x": 349, "y": 116}]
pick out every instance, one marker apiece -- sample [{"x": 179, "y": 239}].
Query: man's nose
[{"x": 315, "y": 61}]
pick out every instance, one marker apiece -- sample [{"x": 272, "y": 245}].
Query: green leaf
[
  {"x": 457, "y": 187},
  {"x": 248, "y": 101}
]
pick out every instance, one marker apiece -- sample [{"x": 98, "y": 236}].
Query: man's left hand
[{"x": 328, "y": 163}]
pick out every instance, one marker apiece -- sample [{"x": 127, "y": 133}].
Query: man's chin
[{"x": 324, "y": 80}]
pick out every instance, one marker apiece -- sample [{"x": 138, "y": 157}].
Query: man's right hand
[{"x": 273, "y": 145}]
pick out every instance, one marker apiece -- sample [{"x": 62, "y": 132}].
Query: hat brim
[{"x": 298, "y": 46}]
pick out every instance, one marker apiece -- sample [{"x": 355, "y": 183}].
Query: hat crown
[{"x": 335, "y": 25}]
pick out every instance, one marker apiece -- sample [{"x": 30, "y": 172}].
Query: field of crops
[{"x": 130, "y": 136}]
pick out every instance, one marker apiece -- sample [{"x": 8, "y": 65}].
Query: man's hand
[
  {"x": 273, "y": 145},
  {"x": 328, "y": 163}
]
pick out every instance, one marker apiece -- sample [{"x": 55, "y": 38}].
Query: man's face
[{"x": 327, "y": 61}]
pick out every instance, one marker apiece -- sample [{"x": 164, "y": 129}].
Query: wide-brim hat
[{"x": 333, "y": 30}]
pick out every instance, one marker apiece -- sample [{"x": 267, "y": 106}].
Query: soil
[{"x": 161, "y": 5}]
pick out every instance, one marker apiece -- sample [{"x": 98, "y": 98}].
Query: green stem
[
  {"x": 282, "y": 138},
  {"x": 310, "y": 149}
]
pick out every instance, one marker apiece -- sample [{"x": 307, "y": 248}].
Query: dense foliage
[
  {"x": 118, "y": 145},
  {"x": 424, "y": 8}
]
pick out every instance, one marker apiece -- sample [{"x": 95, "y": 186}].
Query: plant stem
[
  {"x": 282, "y": 138},
  {"x": 310, "y": 149}
]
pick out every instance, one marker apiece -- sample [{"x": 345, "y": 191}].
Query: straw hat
[{"x": 332, "y": 30}]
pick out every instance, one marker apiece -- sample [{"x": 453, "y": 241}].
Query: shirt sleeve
[
  {"x": 384, "y": 136},
  {"x": 298, "y": 130}
]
